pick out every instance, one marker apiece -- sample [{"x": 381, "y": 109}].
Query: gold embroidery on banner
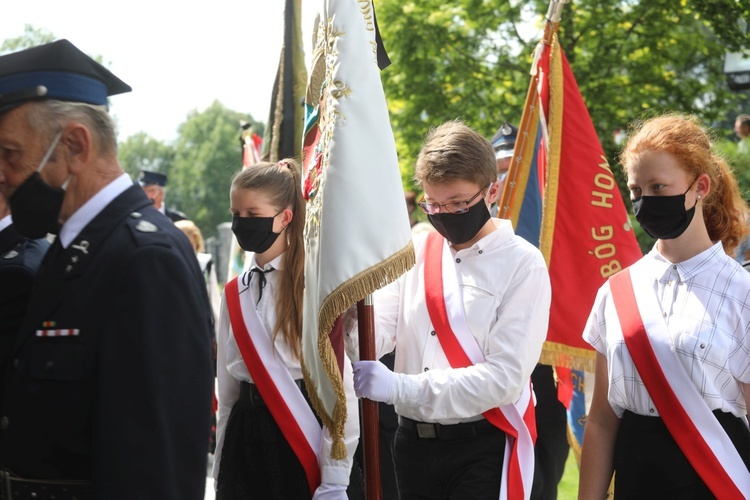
[
  {"x": 365, "y": 7},
  {"x": 327, "y": 38},
  {"x": 325, "y": 58},
  {"x": 340, "y": 89},
  {"x": 366, "y": 282}
]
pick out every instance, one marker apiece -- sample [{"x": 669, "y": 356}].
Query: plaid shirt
[{"x": 705, "y": 301}]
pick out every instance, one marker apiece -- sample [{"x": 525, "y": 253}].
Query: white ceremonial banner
[{"x": 357, "y": 233}]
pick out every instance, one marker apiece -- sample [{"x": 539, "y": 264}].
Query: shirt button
[
  {"x": 458, "y": 261},
  {"x": 4, "y": 423},
  {"x": 16, "y": 363},
  {"x": 49, "y": 365},
  {"x": 426, "y": 369},
  {"x": 703, "y": 346},
  {"x": 433, "y": 333},
  {"x": 480, "y": 251},
  {"x": 651, "y": 410},
  {"x": 664, "y": 314},
  {"x": 674, "y": 267}
]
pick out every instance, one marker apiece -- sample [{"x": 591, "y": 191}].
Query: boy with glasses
[{"x": 468, "y": 323}]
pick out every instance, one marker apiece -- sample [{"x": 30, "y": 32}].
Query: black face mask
[
  {"x": 35, "y": 205},
  {"x": 254, "y": 234},
  {"x": 460, "y": 228},
  {"x": 664, "y": 217}
]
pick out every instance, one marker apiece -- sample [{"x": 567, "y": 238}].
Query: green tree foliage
[
  {"x": 30, "y": 38},
  {"x": 450, "y": 60},
  {"x": 470, "y": 59},
  {"x": 143, "y": 152},
  {"x": 206, "y": 155}
]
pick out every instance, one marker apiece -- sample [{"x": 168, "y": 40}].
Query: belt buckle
[{"x": 426, "y": 431}]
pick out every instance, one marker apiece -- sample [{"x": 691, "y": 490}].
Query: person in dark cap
[
  {"x": 153, "y": 183},
  {"x": 109, "y": 391},
  {"x": 504, "y": 141},
  {"x": 19, "y": 260},
  {"x": 551, "y": 448}
]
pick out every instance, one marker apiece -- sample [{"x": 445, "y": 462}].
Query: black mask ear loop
[{"x": 698, "y": 197}]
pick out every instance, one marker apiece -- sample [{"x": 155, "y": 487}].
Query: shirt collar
[
  {"x": 277, "y": 263},
  {"x": 687, "y": 269},
  {"x": 86, "y": 213},
  {"x": 502, "y": 233},
  {"x": 5, "y": 222}
]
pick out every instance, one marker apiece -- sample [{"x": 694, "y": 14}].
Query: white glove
[
  {"x": 373, "y": 380},
  {"x": 329, "y": 491}
]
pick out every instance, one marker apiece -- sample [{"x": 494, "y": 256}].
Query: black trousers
[
  {"x": 552, "y": 448},
  {"x": 257, "y": 460},
  {"x": 649, "y": 464},
  {"x": 457, "y": 469}
]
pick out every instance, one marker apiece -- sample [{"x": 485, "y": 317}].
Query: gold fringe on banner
[
  {"x": 565, "y": 356},
  {"x": 338, "y": 449},
  {"x": 333, "y": 306},
  {"x": 554, "y": 127}
]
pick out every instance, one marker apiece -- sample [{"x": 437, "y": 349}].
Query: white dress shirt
[
  {"x": 86, "y": 213},
  {"x": 231, "y": 371},
  {"x": 5, "y": 222},
  {"x": 705, "y": 301},
  {"x": 506, "y": 296}
]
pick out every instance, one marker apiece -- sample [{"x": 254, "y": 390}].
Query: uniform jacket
[
  {"x": 19, "y": 260},
  {"x": 111, "y": 377}
]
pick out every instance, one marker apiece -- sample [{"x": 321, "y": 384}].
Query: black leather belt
[
  {"x": 250, "y": 394},
  {"x": 446, "y": 432},
  {"x": 16, "y": 488}
]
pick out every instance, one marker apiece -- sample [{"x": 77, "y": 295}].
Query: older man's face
[
  {"x": 21, "y": 151},
  {"x": 503, "y": 164},
  {"x": 155, "y": 193}
]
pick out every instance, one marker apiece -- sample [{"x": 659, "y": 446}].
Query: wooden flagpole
[
  {"x": 532, "y": 100},
  {"x": 369, "y": 409}
]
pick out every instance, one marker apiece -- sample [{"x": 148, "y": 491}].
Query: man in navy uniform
[
  {"x": 109, "y": 391},
  {"x": 19, "y": 260},
  {"x": 153, "y": 184}
]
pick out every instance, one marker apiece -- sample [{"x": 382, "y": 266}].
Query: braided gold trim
[
  {"x": 553, "y": 160},
  {"x": 335, "y": 304}
]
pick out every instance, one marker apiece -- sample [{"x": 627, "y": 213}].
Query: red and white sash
[
  {"x": 446, "y": 310},
  {"x": 277, "y": 387},
  {"x": 692, "y": 424}
]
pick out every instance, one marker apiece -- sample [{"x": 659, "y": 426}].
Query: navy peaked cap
[
  {"x": 152, "y": 178},
  {"x": 504, "y": 140},
  {"x": 58, "y": 71}
]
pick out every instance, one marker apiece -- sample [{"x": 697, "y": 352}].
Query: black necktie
[{"x": 262, "y": 278}]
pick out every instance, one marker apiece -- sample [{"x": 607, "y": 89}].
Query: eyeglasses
[{"x": 458, "y": 207}]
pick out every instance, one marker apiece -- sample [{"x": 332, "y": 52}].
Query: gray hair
[{"x": 49, "y": 116}]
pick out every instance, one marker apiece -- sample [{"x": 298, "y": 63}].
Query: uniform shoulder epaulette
[
  {"x": 146, "y": 230},
  {"x": 27, "y": 253}
]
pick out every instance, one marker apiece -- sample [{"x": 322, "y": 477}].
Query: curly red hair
[{"x": 683, "y": 137}]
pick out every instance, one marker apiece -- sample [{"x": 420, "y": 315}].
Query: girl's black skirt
[
  {"x": 258, "y": 462},
  {"x": 649, "y": 463}
]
